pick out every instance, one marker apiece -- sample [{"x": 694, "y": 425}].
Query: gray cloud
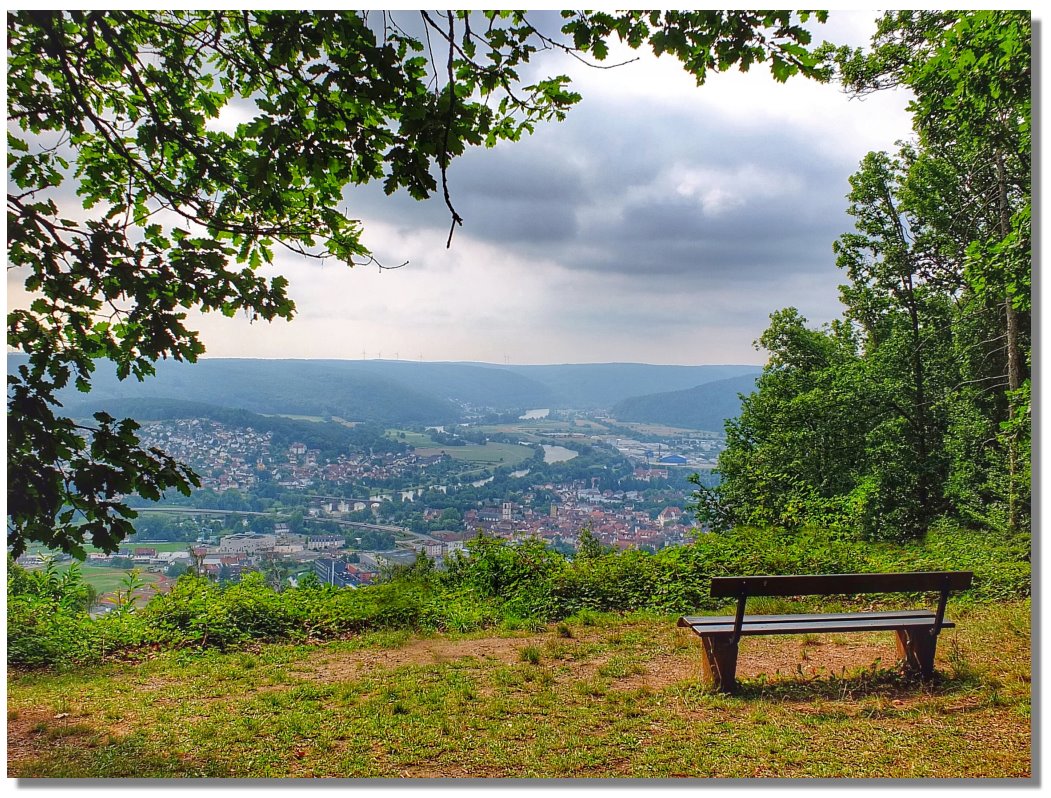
[{"x": 660, "y": 226}]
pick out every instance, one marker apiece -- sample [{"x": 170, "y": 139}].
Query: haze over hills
[
  {"x": 409, "y": 392},
  {"x": 602, "y": 385}
]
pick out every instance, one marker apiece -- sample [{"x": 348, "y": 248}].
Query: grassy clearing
[
  {"x": 410, "y": 438},
  {"x": 106, "y": 580},
  {"x": 596, "y": 696}
]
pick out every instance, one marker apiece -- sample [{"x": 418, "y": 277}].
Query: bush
[
  {"x": 41, "y": 631},
  {"x": 520, "y": 585},
  {"x": 522, "y": 575},
  {"x": 47, "y": 619},
  {"x": 1001, "y": 566}
]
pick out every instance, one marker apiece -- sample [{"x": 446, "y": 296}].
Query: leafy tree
[
  {"x": 971, "y": 77},
  {"x": 590, "y": 547},
  {"x": 180, "y": 214},
  {"x": 925, "y": 411},
  {"x": 797, "y": 447},
  {"x": 176, "y": 569}
]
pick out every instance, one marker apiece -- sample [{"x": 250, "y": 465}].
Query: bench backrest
[
  {"x": 742, "y": 587},
  {"x": 830, "y": 584}
]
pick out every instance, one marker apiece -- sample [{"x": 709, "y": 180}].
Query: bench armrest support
[
  {"x": 739, "y": 617},
  {"x": 942, "y": 599}
]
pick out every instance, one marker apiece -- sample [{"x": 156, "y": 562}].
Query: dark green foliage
[{"x": 916, "y": 405}]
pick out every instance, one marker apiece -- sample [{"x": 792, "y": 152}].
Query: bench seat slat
[
  {"x": 694, "y": 620},
  {"x": 756, "y": 627}
]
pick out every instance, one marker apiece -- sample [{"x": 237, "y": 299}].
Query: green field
[
  {"x": 413, "y": 439},
  {"x": 106, "y": 580},
  {"x": 509, "y": 454},
  {"x": 663, "y": 430}
]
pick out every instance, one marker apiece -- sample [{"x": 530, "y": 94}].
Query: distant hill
[
  {"x": 299, "y": 387},
  {"x": 390, "y": 391},
  {"x": 475, "y": 384},
  {"x": 602, "y": 385},
  {"x": 703, "y": 407}
]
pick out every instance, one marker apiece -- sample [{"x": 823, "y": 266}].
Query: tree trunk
[{"x": 1014, "y": 355}]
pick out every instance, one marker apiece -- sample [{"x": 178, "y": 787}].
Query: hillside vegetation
[
  {"x": 494, "y": 583},
  {"x": 705, "y": 407}
]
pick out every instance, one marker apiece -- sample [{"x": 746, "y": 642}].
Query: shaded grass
[{"x": 619, "y": 697}]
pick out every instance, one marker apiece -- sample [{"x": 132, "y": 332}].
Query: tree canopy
[
  {"x": 122, "y": 110},
  {"x": 915, "y": 405}
]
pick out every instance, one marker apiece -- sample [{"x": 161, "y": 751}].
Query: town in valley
[{"x": 288, "y": 506}]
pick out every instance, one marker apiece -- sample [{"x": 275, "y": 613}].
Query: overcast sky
[{"x": 661, "y": 222}]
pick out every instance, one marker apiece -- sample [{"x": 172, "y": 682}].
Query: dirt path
[{"x": 781, "y": 658}]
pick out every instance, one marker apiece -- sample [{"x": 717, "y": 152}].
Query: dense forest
[{"x": 915, "y": 405}]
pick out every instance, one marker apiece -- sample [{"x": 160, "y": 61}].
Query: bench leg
[
  {"x": 720, "y": 662},
  {"x": 916, "y": 647}
]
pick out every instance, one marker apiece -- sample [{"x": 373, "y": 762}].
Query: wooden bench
[{"x": 917, "y": 630}]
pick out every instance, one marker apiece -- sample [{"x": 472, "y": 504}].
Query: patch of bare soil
[
  {"x": 23, "y": 740},
  {"x": 430, "y": 651},
  {"x": 806, "y": 658},
  {"x": 787, "y": 657},
  {"x": 31, "y": 733}
]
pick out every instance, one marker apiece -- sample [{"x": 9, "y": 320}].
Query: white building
[
  {"x": 320, "y": 542},
  {"x": 247, "y": 544}
]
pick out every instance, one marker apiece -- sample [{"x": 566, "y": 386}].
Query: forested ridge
[
  {"x": 706, "y": 407},
  {"x": 406, "y": 392}
]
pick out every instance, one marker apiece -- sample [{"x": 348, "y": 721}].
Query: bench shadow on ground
[{"x": 875, "y": 681}]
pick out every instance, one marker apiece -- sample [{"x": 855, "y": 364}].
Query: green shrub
[
  {"x": 461, "y": 611},
  {"x": 521, "y": 574},
  {"x": 41, "y": 631},
  {"x": 392, "y": 605},
  {"x": 47, "y": 619},
  {"x": 520, "y": 585}
]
